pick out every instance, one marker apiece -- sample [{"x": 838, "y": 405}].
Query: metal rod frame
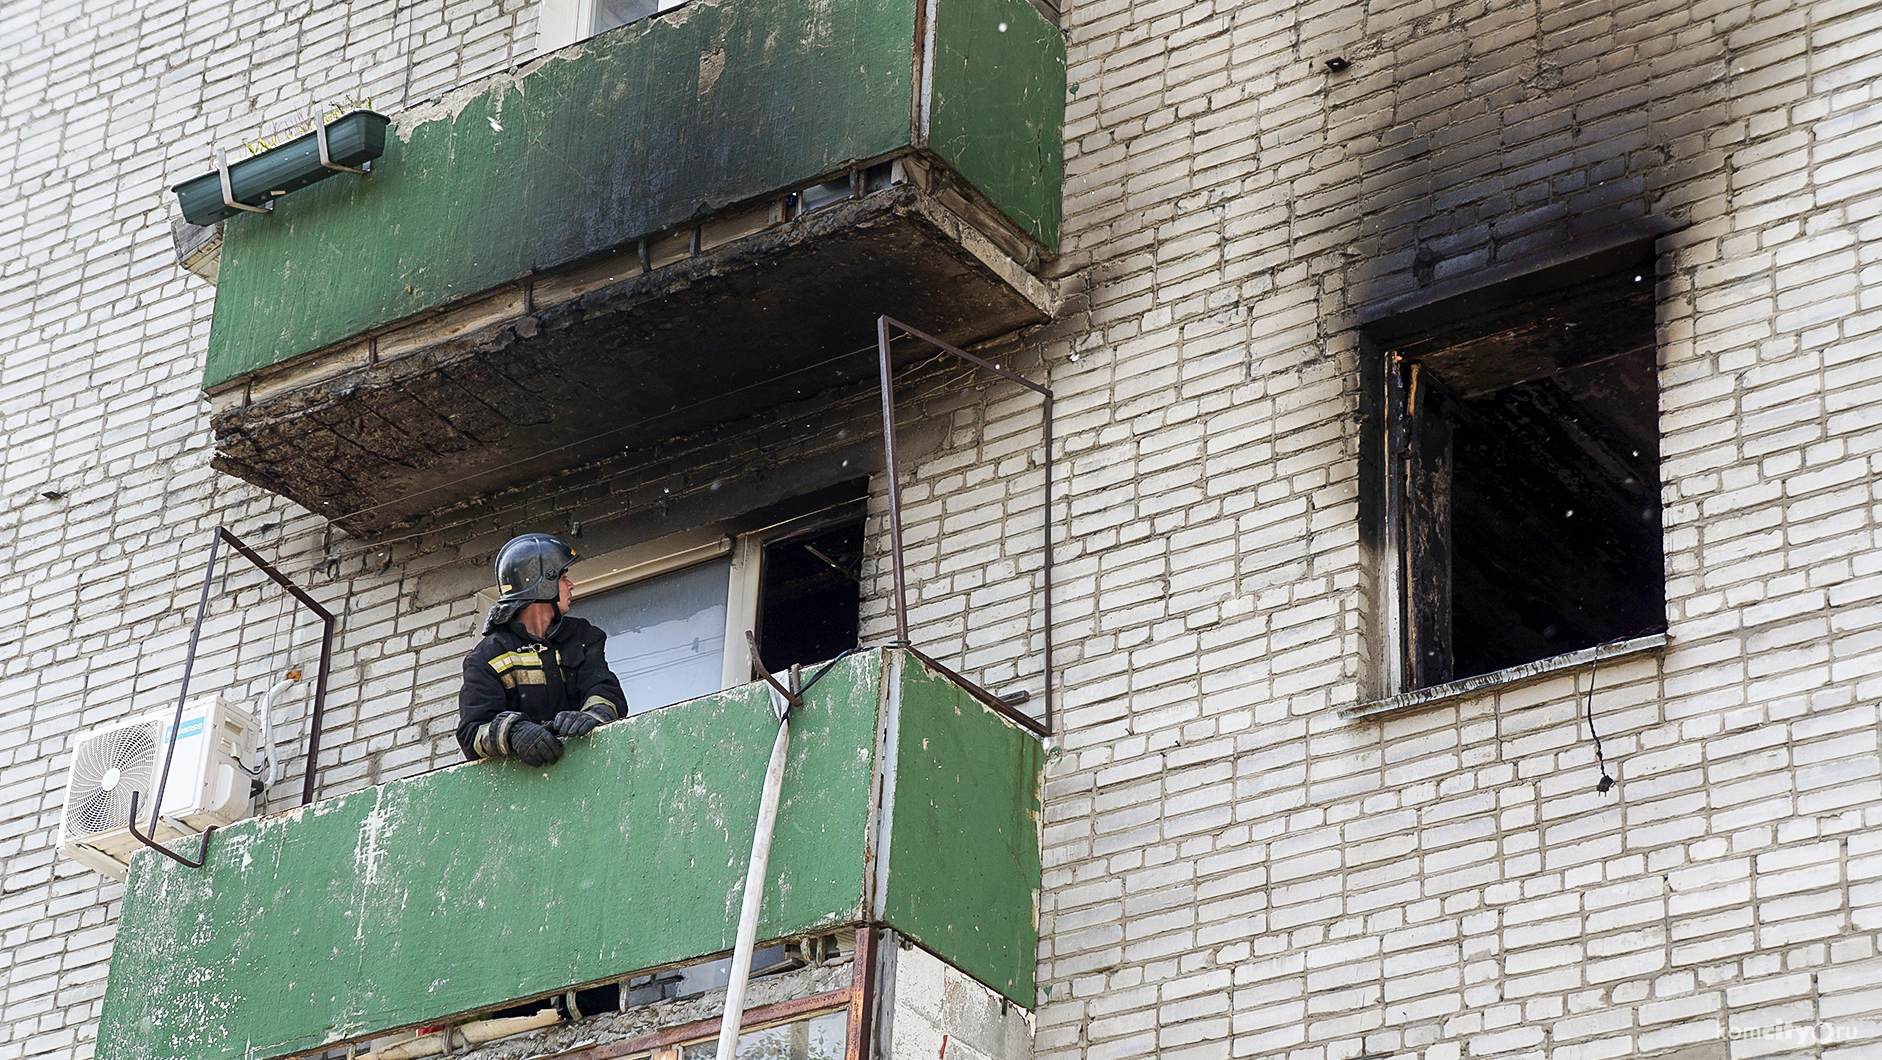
[
  {"x": 883, "y": 324},
  {"x": 189, "y": 662}
]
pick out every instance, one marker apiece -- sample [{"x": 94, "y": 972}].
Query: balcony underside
[{"x": 586, "y": 362}]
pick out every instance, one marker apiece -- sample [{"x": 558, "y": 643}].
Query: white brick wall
[
  {"x": 1448, "y": 883},
  {"x": 1232, "y": 869},
  {"x": 103, "y": 105}
]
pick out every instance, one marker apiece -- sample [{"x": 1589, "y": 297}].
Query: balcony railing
[{"x": 906, "y": 803}]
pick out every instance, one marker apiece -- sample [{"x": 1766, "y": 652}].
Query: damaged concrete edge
[
  {"x": 449, "y": 105},
  {"x": 779, "y": 997},
  {"x": 1512, "y": 677}
]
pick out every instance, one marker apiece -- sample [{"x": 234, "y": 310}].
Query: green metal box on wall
[
  {"x": 636, "y": 131},
  {"x": 463, "y": 889}
]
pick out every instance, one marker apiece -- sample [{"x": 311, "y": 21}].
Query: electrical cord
[
  {"x": 1606, "y": 782},
  {"x": 827, "y": 667}
]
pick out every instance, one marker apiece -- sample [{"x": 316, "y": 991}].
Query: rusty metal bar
[
  {"x": 319, "y": 709},
  {"x": 1000, "y": 706},
  {"x": 176, "y": 724},
  {"x": 862, "y": 994},
  {"x": 964, "y": 355},
  {"x": 202, "y": 848},
  {"x": 759, "y": 669},
  {"x": 895, "y": 486},
  {"x": 189, "y": 663},
  {"x": 883, "y": 323}
]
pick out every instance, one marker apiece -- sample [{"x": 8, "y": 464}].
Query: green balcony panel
[
  {"x": 636, "y": 131},
  {"x": 999, "y": 107},
  {"x": 464, "y": 889}
]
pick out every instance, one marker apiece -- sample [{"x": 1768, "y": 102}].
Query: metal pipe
[
  {"x": 267, "y": 726},
  {"x": 755, "y": 879},
  {"x": 318, "y": 713},
  {"x": 895, "y": 504},
  {"x": 1045, "y": 587},
  {"x": 862, "y": 994},
  {"x": 894, "y": 473}
]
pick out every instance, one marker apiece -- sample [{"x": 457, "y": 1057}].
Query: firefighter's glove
[
  {"x": 572, "y": 723},
  {"x": 581, "y": 722},
  {"x": 514, "y": 735}
]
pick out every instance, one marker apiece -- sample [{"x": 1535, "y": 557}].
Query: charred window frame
[{"x": 1512, "y": 460}]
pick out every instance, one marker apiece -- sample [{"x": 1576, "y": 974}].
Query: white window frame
[
  {"x": 560, "y": 23},
  {"x": 650, "y": 559}
]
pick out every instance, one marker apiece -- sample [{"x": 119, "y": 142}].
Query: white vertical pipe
[
  {"x": 754, "y": 889},
  {"x": 267, "y": 729}
]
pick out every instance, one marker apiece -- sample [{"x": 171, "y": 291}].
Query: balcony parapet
[{"x": 906, "y": 804}]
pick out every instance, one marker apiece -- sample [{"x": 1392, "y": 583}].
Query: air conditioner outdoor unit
[{"x": 210, "y": 781}]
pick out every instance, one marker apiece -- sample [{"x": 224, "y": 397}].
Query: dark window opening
[
  {"x": 809, "y": 595},
  {"x": 1522, "y": 477}
]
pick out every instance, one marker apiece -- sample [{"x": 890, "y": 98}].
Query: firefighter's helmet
[
  {"x": 530, "y": 567},
  {"x": 529, "y": 570}
]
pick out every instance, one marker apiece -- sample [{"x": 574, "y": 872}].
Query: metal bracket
[
  {"x": 790, "y": 699},
  {"x": 326, "y": 156},
  {"x": 228, "y": 191},
  {"x": 202, "y": 851}
]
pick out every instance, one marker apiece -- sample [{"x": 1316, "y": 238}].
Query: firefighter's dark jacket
[{"x": 511, "y": 670}]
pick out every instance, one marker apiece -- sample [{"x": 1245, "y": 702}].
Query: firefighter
[{"x": 539, "y": 676}]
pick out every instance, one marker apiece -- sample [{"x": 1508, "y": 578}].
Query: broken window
[
  {"x": 562, "y": 22},
  {"x": 1520, "y": 470},
  {"x": 676, "y": 611},
  {"x": 809, "y": 589}
]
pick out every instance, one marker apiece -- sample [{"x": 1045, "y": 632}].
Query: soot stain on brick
[
  {"x": 1499, "y": 148},
  {"x": 1501, "y": 144}
]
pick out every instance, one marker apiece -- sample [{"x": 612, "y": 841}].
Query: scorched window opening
[{"x": 1522, "y": 469}]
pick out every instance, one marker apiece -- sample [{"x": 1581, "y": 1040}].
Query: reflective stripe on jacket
[{"x": 510, "y": 670}]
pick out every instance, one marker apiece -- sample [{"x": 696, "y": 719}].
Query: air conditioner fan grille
[{"x": 106, "y": 769}]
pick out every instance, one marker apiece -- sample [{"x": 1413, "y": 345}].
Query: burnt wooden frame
[{"x": 1407, "y": 456}]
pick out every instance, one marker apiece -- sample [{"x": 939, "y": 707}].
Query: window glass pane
[
  {"x": 818, "y": 1038},
  {"x": 666, "y": 635},
  {"x": 611, "y": 13}
]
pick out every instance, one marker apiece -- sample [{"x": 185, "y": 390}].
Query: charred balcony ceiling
[{"x": 677, "y": 224}]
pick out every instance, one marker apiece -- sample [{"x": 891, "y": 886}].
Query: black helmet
[{"x": 529, "y": 570}]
